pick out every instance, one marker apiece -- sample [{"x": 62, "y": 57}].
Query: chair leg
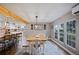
[{"x": 43, "y": 49}]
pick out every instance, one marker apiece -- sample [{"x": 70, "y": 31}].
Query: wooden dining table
[{"x": 36, "y": 40}]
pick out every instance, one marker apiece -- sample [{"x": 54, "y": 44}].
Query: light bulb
[{"x": 36, "y": 26}]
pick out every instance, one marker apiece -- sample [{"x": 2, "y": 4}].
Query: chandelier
[{"x": 36, "y": 25}]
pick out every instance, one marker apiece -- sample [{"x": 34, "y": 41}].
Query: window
[
  {"x": 31, "y": 26},
  {"x": 71, "y": 31},
  {"x": 61, "y": 32},
  {"x": 44, "y": 26},
  {"x": 56, "y": 32}
]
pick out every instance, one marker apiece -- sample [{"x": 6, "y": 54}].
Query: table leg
[{"x": 30, "y": 49}]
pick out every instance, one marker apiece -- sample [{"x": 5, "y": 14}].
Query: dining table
[{"x": 35, "y": 41}]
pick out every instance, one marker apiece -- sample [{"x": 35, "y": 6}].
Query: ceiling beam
[{"x": 8, "y": 13}]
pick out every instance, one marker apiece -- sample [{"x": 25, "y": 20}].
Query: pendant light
[{"x": 36, "y": 25}]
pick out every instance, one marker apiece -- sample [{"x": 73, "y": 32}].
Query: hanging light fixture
[{"x": 36, "y": 25}]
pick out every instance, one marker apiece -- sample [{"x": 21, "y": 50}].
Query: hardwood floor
[{"x": 9, "y": 51}]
